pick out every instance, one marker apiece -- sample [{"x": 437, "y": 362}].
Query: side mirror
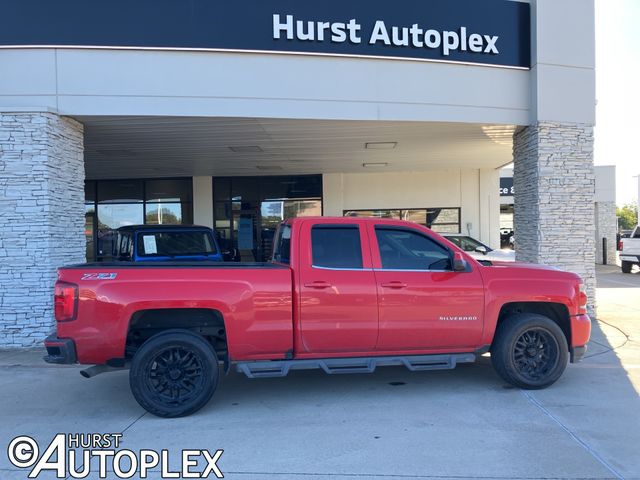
[
  {"x": 481, "y": 249},
  {"x": 459, "y": 263}
]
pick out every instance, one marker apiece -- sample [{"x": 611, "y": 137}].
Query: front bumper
[
  {"x": 580, "y": 334},
  {"x": 60, "y": 350}
]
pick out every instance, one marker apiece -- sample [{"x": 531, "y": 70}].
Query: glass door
[{"x": 246, "y": 226}]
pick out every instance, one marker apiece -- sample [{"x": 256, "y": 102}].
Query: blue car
[{"x": 162, "y": 243}]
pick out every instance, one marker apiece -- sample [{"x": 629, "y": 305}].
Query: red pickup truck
[{"x": 342, "y": 294}]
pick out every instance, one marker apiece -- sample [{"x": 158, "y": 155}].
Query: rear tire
[
  {"x": 174, "y": 373},
  {"x": 529, "y": 351},
  {"x": 626, "y": 267}
]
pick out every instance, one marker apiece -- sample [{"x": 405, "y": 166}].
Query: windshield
[
  {"x": 467, "y": 244},
  {"x": 173, "y": 244}
]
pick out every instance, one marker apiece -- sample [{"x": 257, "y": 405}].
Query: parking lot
[{"x": 394, "y": 424}]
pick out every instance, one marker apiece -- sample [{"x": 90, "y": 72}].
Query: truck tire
[
  {"x": 529, "y": 351},
  {"x": 626, "y": 267},
  {"x": 174, "y": 373}
]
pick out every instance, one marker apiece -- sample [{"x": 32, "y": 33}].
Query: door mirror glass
[{"x": 459, "y": 263}]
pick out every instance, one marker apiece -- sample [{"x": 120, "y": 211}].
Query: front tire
[
  {"x": 529, "y": 351},
  {"x": 626, "y": 267},
  {"x": 174, "y": 373}
]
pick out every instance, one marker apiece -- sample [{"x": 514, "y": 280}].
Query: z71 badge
[{"x": 99, "y": 276}]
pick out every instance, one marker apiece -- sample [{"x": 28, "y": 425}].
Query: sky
[{"x": 617, "y": 133}]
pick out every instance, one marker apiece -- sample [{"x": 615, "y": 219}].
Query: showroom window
[
  {"x": 442, "y": 220},
  {"x": 248, "y": 211},
  {"x": 111, "y": 204}
]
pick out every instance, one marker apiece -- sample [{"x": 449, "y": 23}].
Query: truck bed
[{"x": 255, "y": 300}]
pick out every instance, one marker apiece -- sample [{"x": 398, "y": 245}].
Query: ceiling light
[
  {"x": 375, "y": 165},
  {"x": 246, "y": 149},
  {"x": 380, "y": 145}
]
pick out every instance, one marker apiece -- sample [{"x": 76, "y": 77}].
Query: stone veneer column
[
  {"x": 554, "y": 184},
  {"x": 41, "y": 218},
  {"x": 606, "y": 227}
]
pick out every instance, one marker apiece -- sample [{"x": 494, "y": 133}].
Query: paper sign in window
[{"x": 150, "y": 247}]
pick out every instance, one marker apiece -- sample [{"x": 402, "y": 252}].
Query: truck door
[
  {"x": 423, "y": 304},
  {"x": 338, "y": 308}
]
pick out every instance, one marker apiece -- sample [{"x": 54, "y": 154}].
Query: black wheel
[
  {"x": 174, "y": 373},
  {"x": 529, "y": 351},
  {"x": 626, "y": 267}
]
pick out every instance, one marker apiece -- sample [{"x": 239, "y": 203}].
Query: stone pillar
[
  {"x": 41, "y": 218},
  {"x": 606, "y": 227},
  {"x": 554, "y": 184}
]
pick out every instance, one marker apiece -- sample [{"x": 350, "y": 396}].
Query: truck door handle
[
  {"x": 394, "y": 285},
  {"x": 318, "y": 284}
]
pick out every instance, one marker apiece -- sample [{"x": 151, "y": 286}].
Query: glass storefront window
[
  {"x": 442, "y": 220},
  {"x": 167, "y": 214},
  {"x": 173, "y": 190},
  {"x": 120, "y": 191},
  {"x": 249, "y": 209},
  {"x": 111, "y": 204}
]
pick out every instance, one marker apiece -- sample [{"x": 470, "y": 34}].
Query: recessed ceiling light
[
  {"x": 246, "y": 149},
  {"x": 380, "y": 145},
  {"x": 375, "y": 165}
]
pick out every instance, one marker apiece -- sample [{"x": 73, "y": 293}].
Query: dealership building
[{"x": 238, "y": 114}]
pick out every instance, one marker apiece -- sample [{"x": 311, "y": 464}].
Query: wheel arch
[
  {"x": 558, "y": 312},
  {"x": 208, "y": 322}
]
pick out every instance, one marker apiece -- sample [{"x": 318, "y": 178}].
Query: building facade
[{"x": 236, "y": 116}]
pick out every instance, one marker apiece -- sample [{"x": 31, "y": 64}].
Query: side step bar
[{"x": 280, "y": 368}]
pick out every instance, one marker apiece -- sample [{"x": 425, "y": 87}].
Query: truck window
[
  {"x": 336, "y": 246},
  {"x": 173, "y": 244},
  {"x": 282, "y": 250},
  {"x": 402, "y": 249}
]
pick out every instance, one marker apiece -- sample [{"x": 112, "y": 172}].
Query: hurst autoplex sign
[{"x": 490, "y": 32}]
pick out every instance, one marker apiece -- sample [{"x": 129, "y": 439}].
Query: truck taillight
[
  {"x": 582, "y": 299},
  {"x": 65, "y": 301}
]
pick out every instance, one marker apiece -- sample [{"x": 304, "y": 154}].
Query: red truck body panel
[
  {"x": 256, "y": 304},
  {"x": 303, "y": 311}
]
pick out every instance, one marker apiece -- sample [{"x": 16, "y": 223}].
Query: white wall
[
  {"x": 203, "y": 201},
  {"x": 474, "y": 191},
  {"x": 605, "y": 183},
  {"x": 170, "y": 83},
  {"x": 563, "y": 61}
]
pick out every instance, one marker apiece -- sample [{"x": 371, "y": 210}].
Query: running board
[{"x": 280, "y": 368}]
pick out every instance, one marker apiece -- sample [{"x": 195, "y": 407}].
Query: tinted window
[
  {"x": 336, "y": 246},
  {"x": 408, "y": 250},
  {"x": 282, "y": 252}
]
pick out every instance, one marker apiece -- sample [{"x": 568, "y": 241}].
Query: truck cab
[{"x": 161, "y": 243}]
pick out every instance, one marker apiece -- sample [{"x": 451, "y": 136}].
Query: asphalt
[{"x": 392, "y": 424}]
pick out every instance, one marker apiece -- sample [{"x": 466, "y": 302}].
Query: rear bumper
[
  {"x": 625, "y": 257},
  {"x": 580, "y": 334},
  {"x": 60, "y": 350}
]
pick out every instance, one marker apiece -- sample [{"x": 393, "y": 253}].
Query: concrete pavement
[{"x": 393, "y": 424}]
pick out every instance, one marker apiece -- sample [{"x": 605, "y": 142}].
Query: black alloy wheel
[
  {"x": 174, "y": 373},
  {"x": 536, "y": 354},
  {"x": 529, "y": 351}
]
